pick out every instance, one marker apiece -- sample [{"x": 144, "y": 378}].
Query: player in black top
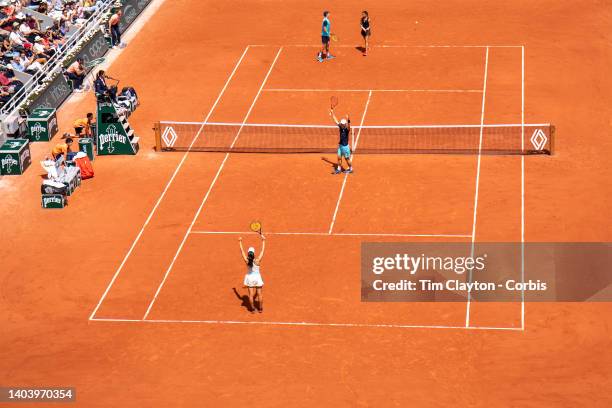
[
  {"x": 365, "y": 31},
  {"x": 344, "y": 150}
]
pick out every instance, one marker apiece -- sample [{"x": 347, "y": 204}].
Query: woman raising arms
[{"x": 252, "y": 280}]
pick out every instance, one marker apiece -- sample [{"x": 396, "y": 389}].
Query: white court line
[
  {"x": 482, "y": 116},
  {"x": 212, "y": 184},
  {"x": 307, "y": 324},
  {"x": 523, "y": 187},
  {"x": 365, "y": 110},
  {"x": 387, "y": 46},
  {"x": 368, "y": 90},
  {"x": 337, "y": 234},
  {"x": 163, "y": 194},
  {"x": 361, "y": 124}
]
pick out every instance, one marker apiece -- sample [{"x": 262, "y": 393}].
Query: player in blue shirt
[
  {"x": 325, "y": 37},
  {"x": 344, "y": 149}
]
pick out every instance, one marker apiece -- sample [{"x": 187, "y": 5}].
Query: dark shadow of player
[
  {"x": 333, "y": 164},
  {"x": 245, "y": 300}
]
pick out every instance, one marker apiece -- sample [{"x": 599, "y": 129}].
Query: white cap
[
  {"x": 343, "y": 121},
  {"x": 251, "y": 249}
]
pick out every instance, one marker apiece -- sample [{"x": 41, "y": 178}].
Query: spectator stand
[{"x": 64, "y": 49}]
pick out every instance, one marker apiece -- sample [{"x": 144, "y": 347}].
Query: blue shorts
[{"x": 344, "y": 151}]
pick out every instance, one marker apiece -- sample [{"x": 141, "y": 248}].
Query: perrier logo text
[
  {"x": 56, "y": 199},
  {"x": 8, "y": 162},
  {"x": 37, "y": 130},
  {"x": 111, "y": 136}
]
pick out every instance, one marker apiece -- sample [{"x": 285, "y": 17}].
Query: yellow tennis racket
[
  {"x": 334, "y": 37},
  {"x": 256, "y": 227}
]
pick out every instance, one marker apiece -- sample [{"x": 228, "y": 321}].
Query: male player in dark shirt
[{"x": 344, "y": 150}]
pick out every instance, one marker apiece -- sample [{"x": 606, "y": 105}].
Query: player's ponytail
[{"x": 250, "y": 258}]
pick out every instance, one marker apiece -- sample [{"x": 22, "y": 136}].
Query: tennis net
[{"x": 500, "y": 139}]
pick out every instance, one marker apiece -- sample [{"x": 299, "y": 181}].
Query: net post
[
  {"x": 158, "y": 142},
  {"x": 552, "y": 139}
]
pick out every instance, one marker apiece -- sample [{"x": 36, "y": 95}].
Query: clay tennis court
[{"x": 128, "y": 294}]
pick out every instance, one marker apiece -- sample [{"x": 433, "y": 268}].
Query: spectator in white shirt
[
  {"x": 57, "y": 4},
  {"x": 25, "y": 29},
  {"x": 30, "y": 63},
  {"x": 16, "y": 64},
  {"x": 39, "y": 50},
  {"x": 29, "y": 28},
  {"x": 15, "y": 36},
  {"x": 38, "y": 46}
]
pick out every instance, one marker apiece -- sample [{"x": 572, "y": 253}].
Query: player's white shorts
[{"x": 253, "y": 280}]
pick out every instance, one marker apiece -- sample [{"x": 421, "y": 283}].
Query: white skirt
[{"x": 253, "y": 280}]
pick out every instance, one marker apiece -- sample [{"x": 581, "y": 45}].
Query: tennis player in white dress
[{"x": 252, "y": 280}]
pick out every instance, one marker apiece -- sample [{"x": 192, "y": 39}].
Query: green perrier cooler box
[
  {"x": 14, "y": 156},
  {"x": 53, "y": 201},
  {"x": 86, "y": 145},
  {"x": 42, "y": 125}
]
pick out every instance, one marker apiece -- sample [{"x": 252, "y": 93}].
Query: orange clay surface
[{"x": 56, "y": 265}]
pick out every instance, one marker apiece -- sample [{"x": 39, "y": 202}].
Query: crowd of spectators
[{"x": 24, "y": 45}]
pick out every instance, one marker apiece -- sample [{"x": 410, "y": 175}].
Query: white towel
[{"x": 50, "y": 168}]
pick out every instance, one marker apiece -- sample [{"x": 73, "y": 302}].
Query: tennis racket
[
  {"x": 334, "y": 37},
  {"x": 333, "y": 102},
  {"x": 256, "y": 227}
]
